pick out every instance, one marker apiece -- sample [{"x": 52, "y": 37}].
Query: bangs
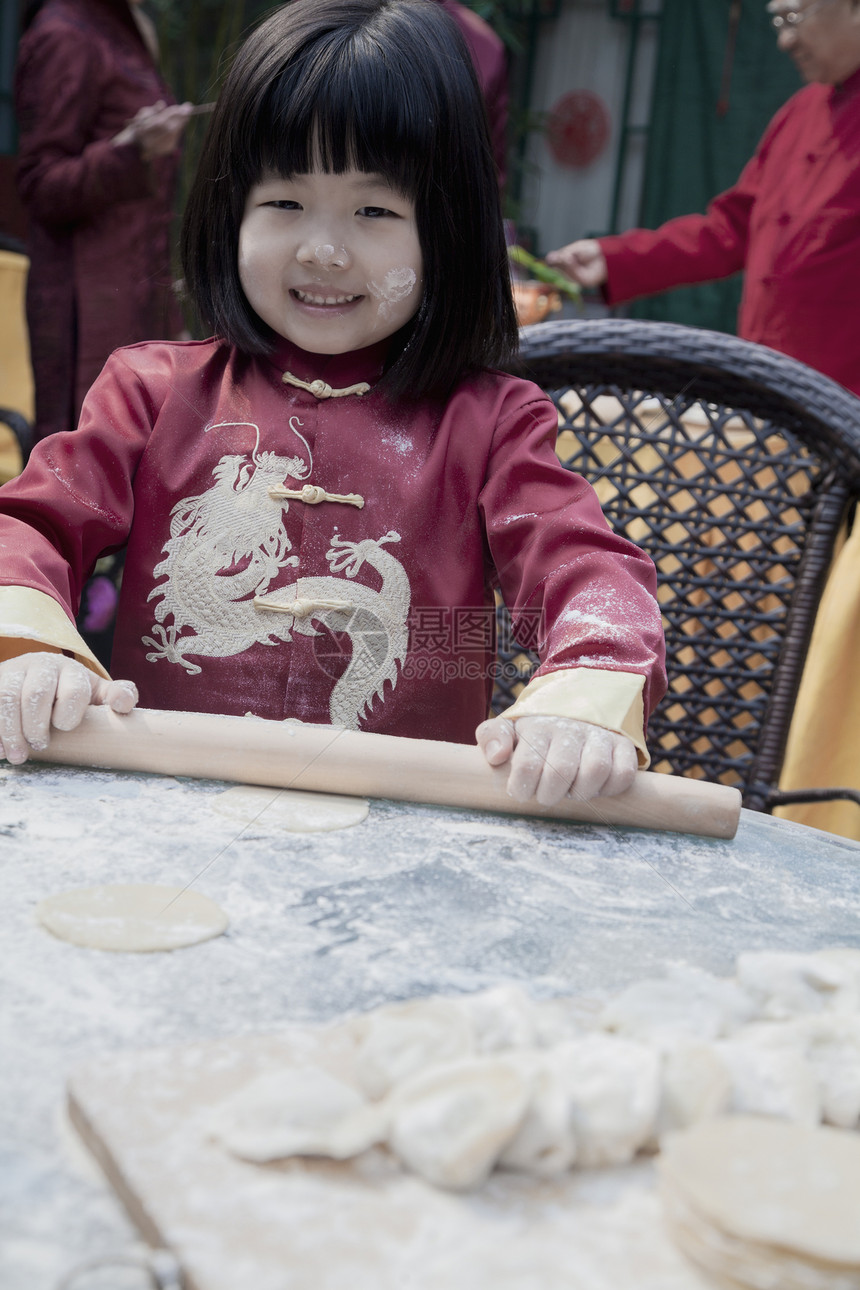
[{"x": 343, "y": 107}]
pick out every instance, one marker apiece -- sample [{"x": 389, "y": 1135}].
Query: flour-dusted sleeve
[
  {"x": 580, "y": 594},
  {"x": 72, "y": 504},
  {"x": 64, "y": 173}
]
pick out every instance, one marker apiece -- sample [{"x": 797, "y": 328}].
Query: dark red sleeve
[
  {"x": 588, "y": 594},
  {"x": 74, "y": 502},
  {"x": 64, "y": 173},
  {"x": 691, "y": 248}
]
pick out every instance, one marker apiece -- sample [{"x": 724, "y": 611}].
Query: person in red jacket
[
  {"x": 98, "y": 134},
  {"x": 491, "y": 65},
  {"x": 791, "y": 222},
  {"x": 320, "y": 499}
]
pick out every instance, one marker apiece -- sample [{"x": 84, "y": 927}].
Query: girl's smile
[
  {"x": 312, "y": 298},
  {"x": 330, "y": 262}
]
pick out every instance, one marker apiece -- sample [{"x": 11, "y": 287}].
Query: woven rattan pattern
[{"x": 733, "y": 467}]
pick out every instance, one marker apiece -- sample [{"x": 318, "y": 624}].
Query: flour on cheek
[{"x": 396, "y": 286}]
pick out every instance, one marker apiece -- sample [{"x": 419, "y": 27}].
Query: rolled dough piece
[
  {"x": 695, "y": 1085},
  {"x": 291, "y": 810},
  {"x": 829, "y": 1044},
  {"x": 688, "y": 1004},
  {"x": 300, "y": 1112},
  {"x": 132, "y": 917},
  {"x": 503, "y": 1017},
  {"x": 745, "y": 1195},
  {"x": 770, "y": 1075},
  {"x": 833, "y": 1052},
  {"x": 544, "y": 1144},
  {"x": 402, "y": 1039},
  {"x": 613, "y": 1091},
  {"x": 786, "y": 985},
  {"x": 451, "y": 1123}
]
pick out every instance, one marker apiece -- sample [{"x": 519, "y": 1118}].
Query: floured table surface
[{"x": 414, "y": 900}]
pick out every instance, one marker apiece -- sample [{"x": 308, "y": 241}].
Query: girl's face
[{"x": 331, "y": 262}]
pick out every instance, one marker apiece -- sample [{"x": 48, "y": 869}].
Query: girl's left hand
[{"x": 553, "y": 756}]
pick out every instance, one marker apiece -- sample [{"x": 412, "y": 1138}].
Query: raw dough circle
[
  {"x": 766, "y": 1184},
  {"x": 287, "y": 808},
  {"x": 134, "y": 917}
]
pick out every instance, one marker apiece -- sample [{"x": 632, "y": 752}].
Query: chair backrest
[
  {"x": 16, "y": 376},
  {"x": 734, "y": 468}
]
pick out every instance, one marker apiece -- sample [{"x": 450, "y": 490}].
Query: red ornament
[{"x": 578, "y": 128}]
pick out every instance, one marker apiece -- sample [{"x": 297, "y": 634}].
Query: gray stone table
[{"x": 416, "y": 899}]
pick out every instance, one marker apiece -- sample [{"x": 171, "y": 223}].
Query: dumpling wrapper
[
  {"x": 132, "y": 917},
  {"x": 291, "y": 809},
  {"x": 771, "y": 1183}
]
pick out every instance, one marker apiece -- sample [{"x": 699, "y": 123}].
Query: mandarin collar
[{"x": 337, "y": 370}]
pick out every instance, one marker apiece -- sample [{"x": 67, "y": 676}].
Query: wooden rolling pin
[
  {"x": 326, "y": 759},
  {"x": 330, "y": 760}
]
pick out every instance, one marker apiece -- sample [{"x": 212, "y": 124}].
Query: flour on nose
[
  {"x": 326, "y": 254},
  {"x": 395, "y": 286}
]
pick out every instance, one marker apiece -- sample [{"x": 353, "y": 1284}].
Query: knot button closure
[
  {"x": 313, "y": 494},
  {"x": 322, "y": 390}
]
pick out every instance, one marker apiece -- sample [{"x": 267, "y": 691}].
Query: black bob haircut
[{"x": 386, "y": 87}]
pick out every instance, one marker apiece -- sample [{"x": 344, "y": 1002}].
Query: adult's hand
[
  {"x": 156, "y": 129},
  {"x": 582, "y": 261}
]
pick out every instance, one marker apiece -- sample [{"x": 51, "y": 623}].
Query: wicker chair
[
  {"x": 735, "y": 468},
  {"x": 16, "y": 380},
  {"x": 22, "y": 431}
]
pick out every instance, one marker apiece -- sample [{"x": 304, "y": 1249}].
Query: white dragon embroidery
[{"x": 226, "y": 547}]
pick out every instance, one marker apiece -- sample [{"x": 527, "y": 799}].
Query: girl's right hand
[{"x": 38, "y": 691}]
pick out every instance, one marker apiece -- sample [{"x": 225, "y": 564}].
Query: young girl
[{"x": 319, "y": 501}]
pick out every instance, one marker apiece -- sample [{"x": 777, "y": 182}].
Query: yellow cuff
[
  {"x": 609, "y": 699},
  {"x": 31, "y": 620}
]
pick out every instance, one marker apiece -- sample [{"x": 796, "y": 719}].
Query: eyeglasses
[{"x": 793, "y": 18}]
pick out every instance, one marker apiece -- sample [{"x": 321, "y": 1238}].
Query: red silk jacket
[
  {"x": 792, "y": 222},
  {"x": 326, "y": 558}
]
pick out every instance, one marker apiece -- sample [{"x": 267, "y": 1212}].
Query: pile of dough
[
  {"x": 781, "y": 1038},
  {"x": 440, "y": 1084},
  {"x": 458, "y": 1086},
  {"x": 759, "y": 1203}
]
